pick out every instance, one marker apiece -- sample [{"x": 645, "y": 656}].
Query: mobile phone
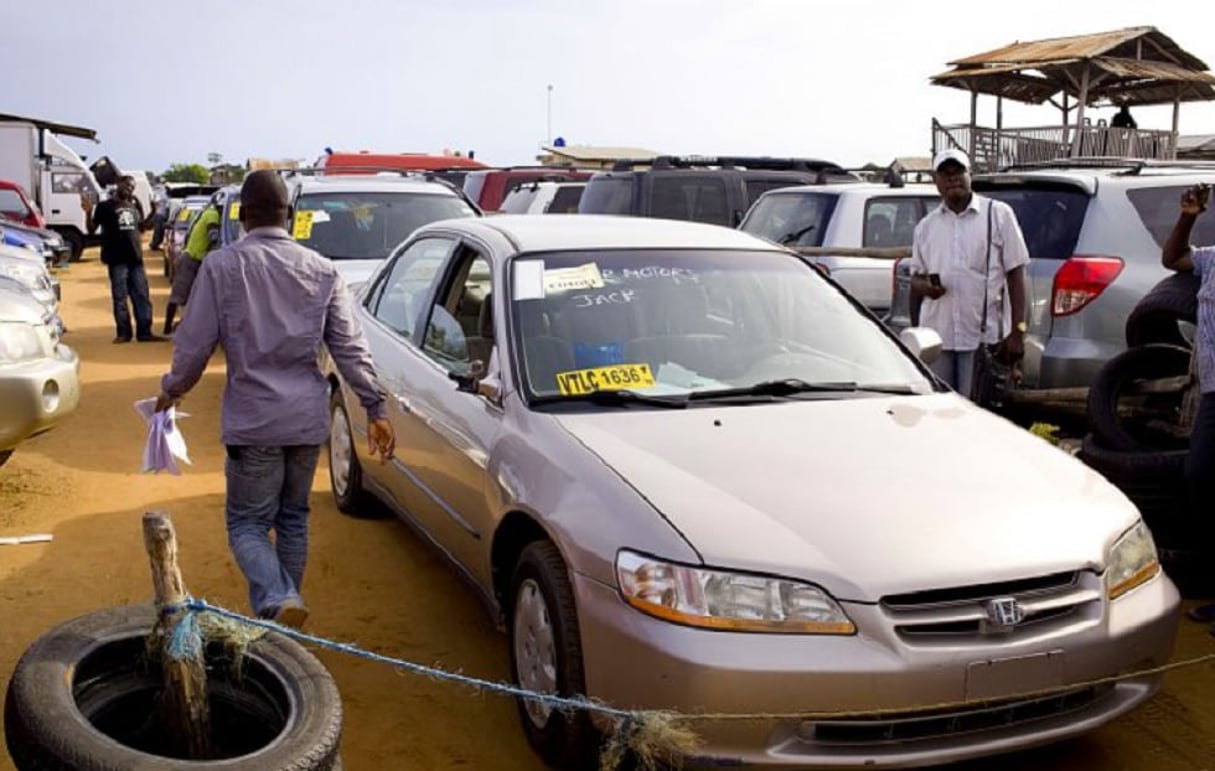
[{"x": 934, "y": 279}]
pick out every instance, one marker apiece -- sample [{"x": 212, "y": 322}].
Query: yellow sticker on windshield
[
  {"x": 301, "y": 227},
  {"x": 614, "y": 378},
  {"x": 184, "y": 214},
  {"x": 234, "y": 211}
]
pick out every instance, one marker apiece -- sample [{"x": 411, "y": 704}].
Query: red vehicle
[
  {"x": 488, "y": 188},
  {"x": 15, "y": 205},
  {"x": 452, "y": 168}
]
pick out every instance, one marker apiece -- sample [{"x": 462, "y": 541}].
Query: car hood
[{"x": 866, "y": 496}]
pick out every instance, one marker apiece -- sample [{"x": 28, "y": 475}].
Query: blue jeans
[
  {"x": 956, "y": 368},
  {"x": 130, "y": 280},
  {"x": 268, "y": 490}
]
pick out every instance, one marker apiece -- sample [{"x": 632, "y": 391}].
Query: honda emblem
[{"x": 1003, "y": 613}]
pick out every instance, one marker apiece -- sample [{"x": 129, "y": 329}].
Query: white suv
[
  {"x": 543, "y": 198},
  {"x": 849, "y": 215}
]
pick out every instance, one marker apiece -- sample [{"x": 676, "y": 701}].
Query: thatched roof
[{"x": 1136, "y": 66}]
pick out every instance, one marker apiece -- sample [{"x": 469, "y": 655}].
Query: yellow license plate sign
[
  {"x": 183, "y": 215},
  {"x": 614, "y": 378},
  {"x": 301, "y": 227},
  {"x": 234, "y": 211}
]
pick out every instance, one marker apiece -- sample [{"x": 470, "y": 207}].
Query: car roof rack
[
  {"x": 762, "y": 163},
  {"x": 1129, "y": 166},
  {"x": 370, "y": 172}
]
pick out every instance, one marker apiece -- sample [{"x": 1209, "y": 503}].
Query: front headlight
[
  {"x": 20, "y": 342},
  {"x": 28, "y": 273},
  {"x": 1132, "y": 561},
  {"x": 717, "y": 599}
]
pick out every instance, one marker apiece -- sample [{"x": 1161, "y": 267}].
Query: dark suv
[{"x": 716, "y": 190}]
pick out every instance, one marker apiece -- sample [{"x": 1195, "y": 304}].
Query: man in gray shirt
[{"x": 271, "y": 303}]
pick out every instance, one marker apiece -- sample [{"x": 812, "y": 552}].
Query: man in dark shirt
[{"x": 121, "y": 220}]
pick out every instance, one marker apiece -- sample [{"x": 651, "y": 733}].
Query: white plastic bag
[{"x": 165, "y": 444}]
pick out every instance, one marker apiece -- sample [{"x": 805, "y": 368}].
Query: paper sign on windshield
[
  {"x": 566, "y": 279},
  {"x": 234, "y": 211},
  {"x": 301, "y": 227},
  {"x": 614, "y": 378}
]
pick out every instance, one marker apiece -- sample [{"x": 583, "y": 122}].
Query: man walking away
[
  {"x": 121, "y": 219},
  {"x": 271, "y": 302},
  {"x": 953, "y": 273}
]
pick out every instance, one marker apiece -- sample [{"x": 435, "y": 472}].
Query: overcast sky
[{"x": 845, "y": 80}]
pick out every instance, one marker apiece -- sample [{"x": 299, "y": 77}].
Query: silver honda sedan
[{"x": 689, "y": 473}]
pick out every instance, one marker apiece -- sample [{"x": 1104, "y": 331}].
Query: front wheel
[
  {"x": 546, "y": 657},
  {"x": 345, "y": 473}
]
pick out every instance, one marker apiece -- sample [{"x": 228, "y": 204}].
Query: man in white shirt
[{"x": 952, "y": 272}]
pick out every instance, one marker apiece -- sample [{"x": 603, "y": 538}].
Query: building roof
[
  {"x": 1136, "y": 65},
  {"x": 587, "y": 153}
]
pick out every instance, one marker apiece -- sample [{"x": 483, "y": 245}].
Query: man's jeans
[
  {"x": 130, "y": 280},
  {"x": 1200, "y": 467},
  {"x": 957, "y": 368},
  {"x": 268, "y": 490}
]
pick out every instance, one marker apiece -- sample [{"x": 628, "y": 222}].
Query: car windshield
[
  {"x": 793, "y": 219},
  {"x": 693, "y": 322},
  {"x": 368, "y": 225}
]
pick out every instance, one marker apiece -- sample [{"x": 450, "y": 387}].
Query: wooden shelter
[{"x": 1133, "y": 66}]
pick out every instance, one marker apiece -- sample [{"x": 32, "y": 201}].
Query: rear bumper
[{"x": 1066, "y": 362}]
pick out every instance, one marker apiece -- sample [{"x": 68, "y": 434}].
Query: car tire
[
  {"x": 345, "y": 473},
  {"x": 1146, "y": 362},
  {"x": 1155, "y": 482},
  {"x": 546, "y": 656},
  {"x": 78, "y": 693},
  {"x": 1154, "y": 318}
]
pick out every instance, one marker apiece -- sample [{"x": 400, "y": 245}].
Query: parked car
[
  {"x": 182, "y": 214},
  {"x": 52, "y": 246},
  {"x": 16, "y": 206},
  {"x": 716, "y": 190},
  {"x": 1094, "y": 228},
  {"x": 852, "y": 215},
  {"x": 357, "y": 220},
  {"x": 488, "y": 188},
  {"x": 544, "y": 198},
  {"x": 650, "y": 447},
  {"x": 39, "y": 383},
  {"x": 30, "y": 270}
]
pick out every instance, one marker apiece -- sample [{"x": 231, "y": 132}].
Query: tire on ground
[
  {"x": 47, "y": 729},
  {"x": 1145, "y": 362},
  {"x": 1154, "y": 318},
  {"x": 1155, "y": 482}
]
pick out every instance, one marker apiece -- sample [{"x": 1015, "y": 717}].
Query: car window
[
  {"x": 1157, "y": 209},
  {"x": 565, "y": 200},
  {"x": 518, "y": 200},
  {"x": 367, "y": 225},
  {"x": 689, "y": 197},
  {"x": 460, "y": 328},
  {"x": 793, "y": 219},
  {"x": 11, "y": 203},
  {"x": 757, "y": 187},
  {"x": 891, "y": 221},
  {"x": 670, "y": 321},
  {"x": 1050, "y": 217},
  {"x": 399, "y": 294},
  {"x": 67, "y": 182},
  {"x": 607, "y": 195}
]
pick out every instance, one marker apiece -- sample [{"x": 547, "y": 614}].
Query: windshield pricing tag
[
  {"x": 234, "y": 211},
  {"x": 184, "y": 214},
  {"x": 614, "y": 378},
  {"x": 301, "y": 227},
  {"x": 567, "y": 279}
]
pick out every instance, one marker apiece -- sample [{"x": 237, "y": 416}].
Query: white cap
[{"x": 951, "y": 154}]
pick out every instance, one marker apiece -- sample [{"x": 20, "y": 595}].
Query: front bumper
[
  {"x": 638, "y": 662},
  {"x": 36, "y": 395}
]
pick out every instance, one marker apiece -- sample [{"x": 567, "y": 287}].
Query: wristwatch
[{"x": 1022, "y": 327}]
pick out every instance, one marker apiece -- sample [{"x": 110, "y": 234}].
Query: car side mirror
[{"x": 925, "y": 343}]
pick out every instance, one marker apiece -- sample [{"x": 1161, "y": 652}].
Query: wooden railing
[{"x": 991, "y": 150}]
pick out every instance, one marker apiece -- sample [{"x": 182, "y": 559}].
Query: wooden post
[
  {"x": 183, "y": 702},
  {"x": 1078, "y": 140},
  {"x": 974, "y": 123},
  {"x": 1176, "y": 123}
]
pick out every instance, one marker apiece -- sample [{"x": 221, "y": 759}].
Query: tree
[{"x": 188, "y": 172}]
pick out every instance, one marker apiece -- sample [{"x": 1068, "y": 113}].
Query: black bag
[{"x": 992, "y": 375}]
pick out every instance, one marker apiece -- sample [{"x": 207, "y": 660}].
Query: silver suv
[{"x": 1094, "y": 228}]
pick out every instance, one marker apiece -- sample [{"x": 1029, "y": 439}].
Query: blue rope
[
  {"x": 188, "y": 627},
  {"x": 186, "y": 641}
]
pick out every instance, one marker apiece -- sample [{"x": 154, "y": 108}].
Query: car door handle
[{"x": 54, "y": 211}]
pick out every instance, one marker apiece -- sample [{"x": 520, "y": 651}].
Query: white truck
[{"x": 54, "y": 176}]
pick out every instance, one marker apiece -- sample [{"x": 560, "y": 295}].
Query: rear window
[
  {"x": 566, "y": 200},
  {"x": 757, "y": 187},
  {"x": 687, "y": 197},
  {"x": 791, "y": 219},
  {"x": 11, "y": 203},
  {"x": 1050, "y": 217},
  {"x": 1157, "y": 208},
  {"x": 368, "y": 225},
  {"x": 890, "y": 222},
  {"x": 607, "y": 195},
  {"x": 518, "y": 200},
  {"x": 474, "y": 183}
]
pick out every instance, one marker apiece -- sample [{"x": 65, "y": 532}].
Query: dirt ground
[{"x": 371, "y": 583}]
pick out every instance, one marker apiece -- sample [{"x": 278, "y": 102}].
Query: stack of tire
[{"x": 1150, "y": 467}]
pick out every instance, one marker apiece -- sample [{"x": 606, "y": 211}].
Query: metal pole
[{"x": 548, "y": 138}]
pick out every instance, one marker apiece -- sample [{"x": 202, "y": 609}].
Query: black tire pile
[{"x": 1147, "y": 465}]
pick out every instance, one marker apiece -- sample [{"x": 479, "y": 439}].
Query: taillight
[{"x": 1080, "y": 280}]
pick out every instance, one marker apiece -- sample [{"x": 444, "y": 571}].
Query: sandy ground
[{"x": 369, "y": 582}]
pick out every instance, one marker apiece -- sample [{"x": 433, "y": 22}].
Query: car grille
[
  {"x": 953, "y": 615},
  {"x": 913, "y": 726}
]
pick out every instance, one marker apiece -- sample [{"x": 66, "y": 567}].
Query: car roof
[
  {"x": 839, "y": 188},
  {"x": 532, "y": 233},
  {"x": 371, "y": 183}
]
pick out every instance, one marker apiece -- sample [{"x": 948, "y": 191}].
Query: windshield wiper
[
  {"x": 618, "y": 398},
  {"x": 790, "y": 238},
  {"x": 792, "y": 385}
]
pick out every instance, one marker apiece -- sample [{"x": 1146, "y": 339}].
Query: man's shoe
[
  {"x": 290, "y": 614},
  {"x": 122, "y": 339},
  {"x": 1203, "y": 614}
]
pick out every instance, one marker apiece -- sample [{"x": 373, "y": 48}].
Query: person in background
[
  {"x": 121, "y": 221},
  {"x": 1180, "y": 256},
  {"x": 202, "y": 238},
  {"x": 950, "y": 271},
  {"x": 160, "y": 217},
  {"x": 271, "y": 302},
  {"x": 1123, "y": 119}
]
